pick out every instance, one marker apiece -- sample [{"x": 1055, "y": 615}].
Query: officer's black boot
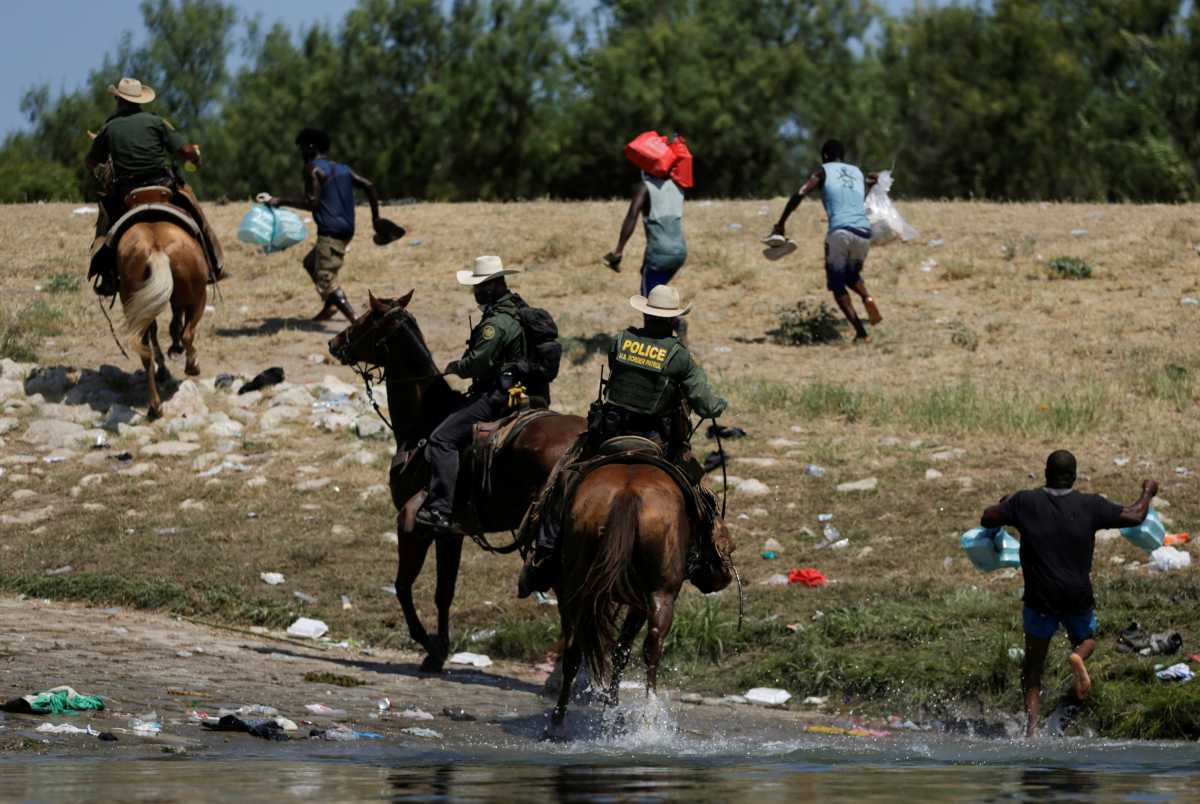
[
  {"x": 434, "y": 519},
  {"x": 538, "y": 573},
  {"x": 536, "y": 576}
]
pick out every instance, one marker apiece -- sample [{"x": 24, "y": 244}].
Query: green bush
[
  {"x": 25, "y": 181},
  {"x": 806, "y": 323},
  {"x": 1070, "y": 268},
  {"x": 63, "y": 283}
]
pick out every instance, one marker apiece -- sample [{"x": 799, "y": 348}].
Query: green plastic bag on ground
[{"x": 58, "y": 700}]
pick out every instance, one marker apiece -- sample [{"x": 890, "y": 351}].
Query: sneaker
[
  {"x": 872, "y": 311},
  {"x": 434, "y": 520}
]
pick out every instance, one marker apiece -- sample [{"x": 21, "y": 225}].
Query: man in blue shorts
[
  {"x": 1057, "y": 527},
  {"x": 844, "y": 191}
]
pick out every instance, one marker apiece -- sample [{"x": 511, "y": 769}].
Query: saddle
[
  {"x": 150, "y": 203},
  {"x": 559, "y": 492},
  {"x": 410, "y": 470}
]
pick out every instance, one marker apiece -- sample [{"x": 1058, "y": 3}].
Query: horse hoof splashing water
[{"x": 625, "y": 547}]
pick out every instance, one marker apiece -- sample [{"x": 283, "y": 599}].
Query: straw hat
[
  {"x": 485, "y": 270},
  {"x": 132, "y": 90},
  {"x": 663, "y": 302}
]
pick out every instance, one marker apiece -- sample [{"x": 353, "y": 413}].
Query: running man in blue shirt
[
  {"x": 329, "y": 196},
  {"x": 843, "y": 189}
]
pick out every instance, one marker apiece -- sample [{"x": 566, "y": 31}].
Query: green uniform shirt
[
  {"x": 141, "y": 146},
  {"x": 648, "y": 375},
  {"x": 497, "y": 341}
]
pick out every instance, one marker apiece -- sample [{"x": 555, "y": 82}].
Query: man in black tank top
[{"x": 329, "y": 196}]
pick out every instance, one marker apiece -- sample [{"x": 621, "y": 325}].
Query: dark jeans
[{"x": 447, "y": 440}]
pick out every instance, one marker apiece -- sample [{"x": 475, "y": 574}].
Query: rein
[
  {"x": 518, "y": 543},
  {"x": 111, "y": 328},
  {"x": 724, "y": 499},
  {"x": 378, "y": 374}
]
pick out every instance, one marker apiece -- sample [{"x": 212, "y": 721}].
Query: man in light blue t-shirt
[{"x": 843, "y": 189}]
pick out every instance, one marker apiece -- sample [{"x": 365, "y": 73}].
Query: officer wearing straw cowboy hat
[
  {"x": 652, "y": 374},
  {"x": 141, "y": 147},
  {"x": 496, "y": 343}
]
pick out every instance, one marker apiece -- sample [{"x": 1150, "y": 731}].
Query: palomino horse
[
  {"x": 160, "y": 264},
  {"x": 387, "y": 336},
  {"x": 625, "y": 544}
]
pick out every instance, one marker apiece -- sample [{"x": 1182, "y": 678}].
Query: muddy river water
[{"x": 657, "y": 764}]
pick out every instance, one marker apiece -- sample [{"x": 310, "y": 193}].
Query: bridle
[{"x": 376, "y": 374}]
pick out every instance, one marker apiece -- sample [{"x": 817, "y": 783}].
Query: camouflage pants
[{"x": 323, "y": 263}]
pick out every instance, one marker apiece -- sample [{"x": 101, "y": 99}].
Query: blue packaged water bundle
[
  {"x": 271, "y": 229},
  {"x": 991, "y": 549},
  {"x": 1149, "y": 535}
]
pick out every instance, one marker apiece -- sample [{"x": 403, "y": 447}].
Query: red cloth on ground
[{"x": 808, "y": 576}]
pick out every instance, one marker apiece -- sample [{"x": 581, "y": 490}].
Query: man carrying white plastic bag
[
  {"x": 843, "y": 189},
  {"x": 886, "y": 222}
]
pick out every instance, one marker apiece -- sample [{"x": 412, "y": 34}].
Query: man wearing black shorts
[{"x": 1057, "y": 528}]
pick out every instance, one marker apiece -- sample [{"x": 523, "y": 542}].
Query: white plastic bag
[
  {"x": 1165, "y": 559},
  {"x": 886, "y": 223},
  {"x": 272, "y": 229}
]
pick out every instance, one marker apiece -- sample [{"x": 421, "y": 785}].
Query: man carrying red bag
[{"x": 666, "y": 167}]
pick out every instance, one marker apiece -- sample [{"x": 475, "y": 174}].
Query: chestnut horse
[
  {"x": 625, "y": 545},
  {"x": 160, "y": 264},
  {"x": 387, "y": 337}
]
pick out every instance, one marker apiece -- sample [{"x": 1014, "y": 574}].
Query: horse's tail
[
  {"x": 608, "y": 581},
  {"x": 145, "y": 303}
]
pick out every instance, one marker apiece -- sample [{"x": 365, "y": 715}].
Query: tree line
[{"x": 510, "y": 99}]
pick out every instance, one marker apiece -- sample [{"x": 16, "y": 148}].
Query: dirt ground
[{"x": 159, "y": 668}]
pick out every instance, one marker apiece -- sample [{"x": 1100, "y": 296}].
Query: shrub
[
  {"x": 24, "y": 181},
  {"x": 806, "y": 323},
  {"x": 63, "y": 283},
  {"x": 1070, "y": 268}
]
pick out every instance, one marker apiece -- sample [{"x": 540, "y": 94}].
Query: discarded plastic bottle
[{"x": 1150, "y": 535}]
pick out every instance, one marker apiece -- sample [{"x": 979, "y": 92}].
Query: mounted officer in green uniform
[
  {"x": 653, "y": 385},
  {"x": 496, "y": 349},
  {"x": 136, "y": 149}
]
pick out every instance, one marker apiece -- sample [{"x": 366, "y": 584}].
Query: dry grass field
[{"x": 985, "y": 362}]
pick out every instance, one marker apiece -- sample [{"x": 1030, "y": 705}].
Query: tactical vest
[{"x": 639, "y": 381}]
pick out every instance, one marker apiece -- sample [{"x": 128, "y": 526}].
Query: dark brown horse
[
  {"x": 625, "y": 545},
  {"x": 161, "y": 265},
  {"x": 386, "y": 336}
]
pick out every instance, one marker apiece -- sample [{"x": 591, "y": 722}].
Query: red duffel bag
[
  {"x": 681, "y": 171},
  {"x": 649, "y": 152}
]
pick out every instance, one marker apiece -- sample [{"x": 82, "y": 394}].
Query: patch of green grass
[
  {"x": 699, "y": 632},
  {"x": 227, "y": 603},
  {"x": 1070, "y": 268},
  {"x": 22, "y": 333},
  {"x": 63, "y": 283},
  {"x": 1172, "y": 383},
  {"x": 811, "y": 400},
  {"x": 931, "y": 649},
  {"x": 947, "y": 409},
  {"x": 523, "y": 638},
  {"x": 315, "y": 677}
]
